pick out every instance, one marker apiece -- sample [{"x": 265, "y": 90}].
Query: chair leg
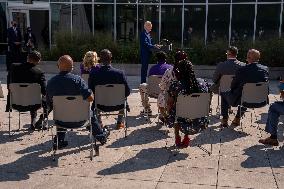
[
  {"x": 92, "y": 143},
  {"x": 241, "y": 123},
  {"x": 125, "y": 123},
  {"x": 52, "y": 142},
  {"x": 9, "y": 122},
  {"x": 19, "y": 121}
]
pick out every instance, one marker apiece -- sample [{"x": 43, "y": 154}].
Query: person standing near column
[
  {"x": 146, "y": 45},
  {"x": 14, "y": 44}
]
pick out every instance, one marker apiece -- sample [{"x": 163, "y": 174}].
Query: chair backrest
[
  {"x": 85, "y": 77},
  {"x": 225, "y": 83},
  {"x": 110, "y": 95},
  {"x": 153, "y": 85},
  {"x": 25, "y": 94},
  {"x": 255, "y": 92},
  {"x": 195, "y": 105},
  {"x": 70, "y": 108}
]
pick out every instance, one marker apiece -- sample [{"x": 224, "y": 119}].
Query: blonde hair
[{"x": 90, "y": 59}]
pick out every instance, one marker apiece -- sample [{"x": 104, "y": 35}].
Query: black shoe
[
  {"x": 101, "y": 138},
  {"x": 39, "y": 126},
  {"x": 106, "y": 132},
  {"x": 61, "y": 144},
  {"x": 31, "y": 127}
]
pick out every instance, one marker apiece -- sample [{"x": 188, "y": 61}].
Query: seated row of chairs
[
  {"x": 26, "y": 94},
  {"x": 70, "y": 110}
]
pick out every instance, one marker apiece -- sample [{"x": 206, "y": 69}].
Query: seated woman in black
[{"x": 186, "y": 84}]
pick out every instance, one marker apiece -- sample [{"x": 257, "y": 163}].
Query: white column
[
  {"x": 255, "y": 16},
  {"x": 205, "y": 37},
  {"x": 230, "y": 25},
  {"x": 160, "y": 20},
  {"x": 182, "y": 24},
  {"x": 137, "y": 20},
  {"x": 114, "y": 21},
  {"x": 281, "y": 20}
]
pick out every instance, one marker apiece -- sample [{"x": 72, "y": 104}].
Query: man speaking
[{"x": 146, "y": 45}]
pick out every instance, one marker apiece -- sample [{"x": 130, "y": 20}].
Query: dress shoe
[
  {"x": 224, "y": 123},
  {"x": 39, "y": 125},
  {"x": 269, "y": 141},
  {"x": 236, "y": 122},
  {"x": 120, "y": 125},
  {"x": 185, "y": 141}
]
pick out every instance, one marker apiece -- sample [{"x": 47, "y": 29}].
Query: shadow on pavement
[{"x": 146, "y": 159}]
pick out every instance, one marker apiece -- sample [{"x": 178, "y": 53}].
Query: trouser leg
[
  {"x": 275, "y": 110},
  {"x": 33, "y": 117},
  {"x": 144, "y": 95},
  {"x": 120, "y": 118},
  {"x": 61, "y": 133},
  {"x": 144, "y": 68},
  {"x": 96, "y": 126},
  {"x": 224, "y": 107}
]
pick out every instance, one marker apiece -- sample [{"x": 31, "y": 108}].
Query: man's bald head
[
  {"x": 65, "y": 63},
  {"x": 253, "y": 55}
]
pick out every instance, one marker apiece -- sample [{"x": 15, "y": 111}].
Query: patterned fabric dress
[
  {"x": 181, "y": 88},
  {"x": 167, "y": 79}
]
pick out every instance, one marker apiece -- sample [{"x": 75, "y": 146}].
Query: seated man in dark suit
[
  {"x": 28, "y": 72},
  {"x": 253, "y": 72},
  {"x": 108, "y": 75},
  {"x": 229, "y": 67},
  {"x": 66, "y": 83}
]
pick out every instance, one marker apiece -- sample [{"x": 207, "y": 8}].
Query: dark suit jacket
[
  {"x": 108, "y": 75},
  {"x": 12, "y": 37},
  {"x": 251, "y": 73},
  {"x": 27, "y": 73}
]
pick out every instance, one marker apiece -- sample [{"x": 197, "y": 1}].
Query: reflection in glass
[
  {"x": 103, "y": 19},
  {"x": 150, "y": 13},
  {"x": 126, "y": 22},
  {"x": 82, "y": 18},
  {"x": 218, "y": 22},
  {"x": 60, "y": 18},
  {"x": 267, "y": 21},
  {"x": 194, "y": 24},
  {"x": 171, "y": 25},
  {"x": 242, "y": 24}
]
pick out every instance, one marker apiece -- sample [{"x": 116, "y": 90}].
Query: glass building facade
[{"x": 179, "y": 21}]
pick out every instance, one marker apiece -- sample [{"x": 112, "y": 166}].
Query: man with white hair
[{"x": 146, "y": 45}]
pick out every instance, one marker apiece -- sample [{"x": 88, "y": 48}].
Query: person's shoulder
[
  {"x": 38, "y": 69},
  {"x": 262, "y": 66},
  {"x": 240, "y": 63}
]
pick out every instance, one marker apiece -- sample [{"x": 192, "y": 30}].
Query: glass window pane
[
  {"x": 103, "y": 19},
  {"x": 103, "y": 1},
  {"x": 242, "y": 24},
  {"x": 171, "y": 26},
  {"x": 126, "y": 22},
  {"x": 82, "y": 18},
  {"x": 60, "y": 19},
  {"x": 219, "y": 1},
  {"x": 267, "y": 21},
  {"x": 151, "y": 13},
  {"x": 126, "y": 1},
  {"x": 194, "y": 24},
  {"x": 171, "y": 1},
  {"x": 218, "y": 22}
]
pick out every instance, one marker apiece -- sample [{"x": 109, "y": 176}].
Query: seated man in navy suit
[
  {"x": 253, "y": 72},
  {"x": 108, "y": 75},
  {"x": 66, "y": 83}
]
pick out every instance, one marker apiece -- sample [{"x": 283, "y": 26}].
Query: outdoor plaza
[{"x": 147, "y": 158}]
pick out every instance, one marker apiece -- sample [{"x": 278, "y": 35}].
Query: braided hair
[{"x": 186, "y": 76}]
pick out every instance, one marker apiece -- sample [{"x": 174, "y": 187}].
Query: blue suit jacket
[
  {"x": 251, "y": 73},
  {"x": 146, "y": 43}
]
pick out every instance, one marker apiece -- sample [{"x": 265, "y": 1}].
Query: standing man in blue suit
[
  {"x": 146, "y": 45},
  {"x": 14, "y": 44}
]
